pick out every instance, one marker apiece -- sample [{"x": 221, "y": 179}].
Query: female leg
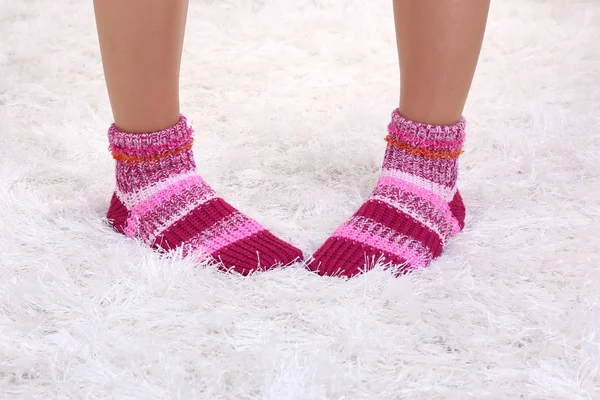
[
  {"x": 415, "y": 207},
  {"x": 159, "y": 198}
]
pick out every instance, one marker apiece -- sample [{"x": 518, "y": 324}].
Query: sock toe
[
  {"x": 258, "y": 252},
  {"x": 345, "y": 257}
]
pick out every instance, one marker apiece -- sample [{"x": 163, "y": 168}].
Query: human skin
[
  {"x": 141, "y": 43},
  {"x": 439, "y": 42}
]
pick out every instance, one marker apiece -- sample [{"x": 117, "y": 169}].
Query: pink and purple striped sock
[
  {"x": 414, "y": 209},
  {"x": 161, "y": 200}
]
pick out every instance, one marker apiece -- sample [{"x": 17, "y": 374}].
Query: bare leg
[
  {"x": 438, "y": 47},
  {"x": 141, "y": 43}
]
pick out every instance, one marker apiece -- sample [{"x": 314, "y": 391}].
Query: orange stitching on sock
[
  {"x": 423, "y": 152},
  {"x": 127, "y": 159}
]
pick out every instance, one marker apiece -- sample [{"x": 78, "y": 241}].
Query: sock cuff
[
  {"x": 427, "y": 136},
  {"x": 149, "y": 144}
]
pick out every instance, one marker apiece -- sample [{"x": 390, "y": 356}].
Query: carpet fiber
[{"x": 290, "y": 101}]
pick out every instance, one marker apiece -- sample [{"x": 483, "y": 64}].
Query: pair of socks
[{"x": 413, "y": 211}]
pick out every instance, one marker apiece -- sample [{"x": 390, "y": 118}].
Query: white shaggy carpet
[{"x": 290, "y": 101}]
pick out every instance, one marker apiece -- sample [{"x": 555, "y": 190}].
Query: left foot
[{"x": 414, "y": 209}]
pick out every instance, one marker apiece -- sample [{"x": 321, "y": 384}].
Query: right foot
[{"x": 161, "y": 200}]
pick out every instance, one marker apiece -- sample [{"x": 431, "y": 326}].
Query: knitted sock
[
  {"x": 413, "y": 210},
  {"x": 161, "y": 200}
]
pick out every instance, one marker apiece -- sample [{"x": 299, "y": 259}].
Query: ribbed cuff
[
  {"x": 150, "y": 143},
  {"x": 426, "y": 135}
]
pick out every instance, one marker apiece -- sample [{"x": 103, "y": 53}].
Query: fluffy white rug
[{"x": 290, "y": 101}]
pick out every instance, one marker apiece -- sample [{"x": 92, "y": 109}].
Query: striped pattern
[
  {"x": 161, "y": 200},
  {"x": 412, "y": 212},
  {"x": 155, "y": 215},
  {"x": 381, "y": 237}
]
